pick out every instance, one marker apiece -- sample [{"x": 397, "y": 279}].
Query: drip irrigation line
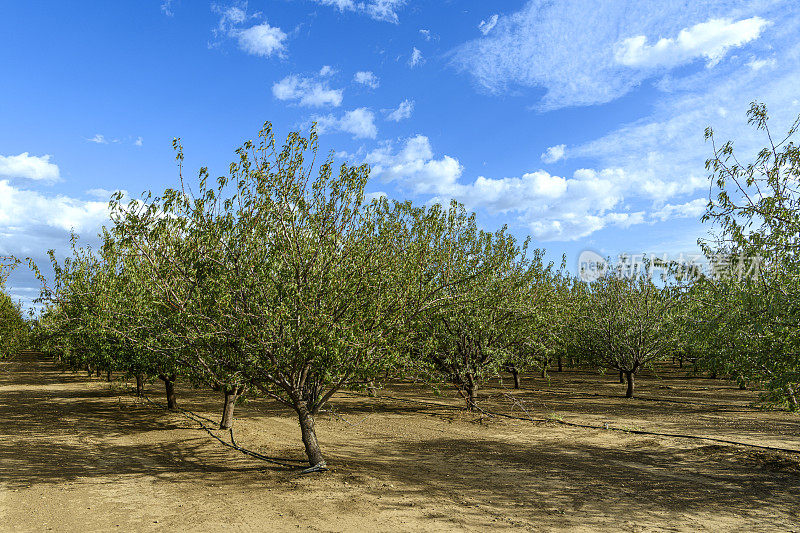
[{"x": 589, "y": 426}]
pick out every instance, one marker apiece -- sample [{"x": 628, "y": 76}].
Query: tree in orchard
[
  {"x": 494, "y": 289},
  {"x": 304, "y": 286},
  {"x": 70, "y": 322},
  {"x": 756, "y": 208},
  {"x": 14, "y": 330},
  {"x": 625, "y": 324}
]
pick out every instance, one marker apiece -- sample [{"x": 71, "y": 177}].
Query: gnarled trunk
[
  {"x": 515, "y": 373},
  {"x": 372, "y": 390},
  {"x": 621, "y": 377},
  {"x": 309, "y": 434},
  {"x": 472, "y": 387},
  {"x": 169, "y": 384},
  {"x": 629, "y": 375},
  {"x": 560, "y": 364},
  {"x": 139, "y": 385},
  {"x": 793, "y": 405},
  {"x": 231, "y": 395},
  {"x": 108, "y": 376}
]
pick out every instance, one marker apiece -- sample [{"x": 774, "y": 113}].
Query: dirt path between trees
[{"x": 79, "y": 454}]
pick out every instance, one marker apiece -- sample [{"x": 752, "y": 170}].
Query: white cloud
[
  {"x": 426, "y": 34},
  {"x": 416, "y": 58},
  {"x": 758, "y": 64},
  {"x": 402, "y": 112},
  {"x": 414, "y": 167},
  {"x": 554, "y": 153},
  {"x": 262, "y": 40},
  {"x": 307, "y": 92},
  {"x": 368, "y": 78},
  {"x": 104, "y": 194},
  {"x": 488, "y": 25},
  {"x": 98, "y": 139},
  {"x": 555, "y": 47},
  {"x": 327, "y": 70},
  {"x": 692, "y": 209},
  {"x": 384, "y": 10},
  {"x": 360, "y": 123},
  {"x": 32, "y": 223},
  {"x": 551, "y": 207},
  {"x": 22, "y": 210},
  {"x": 138, "y": 142},
  {"x": 711, "y": 40},
  {"x": 24, "y": 165}
]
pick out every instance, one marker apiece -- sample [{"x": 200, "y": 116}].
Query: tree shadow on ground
[{"x": 536, "y": 481}]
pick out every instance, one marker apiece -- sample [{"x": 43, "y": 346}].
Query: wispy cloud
[
  {"x": 416, "y": 58},
  {"x": 403, "y": 111},
  {"x": 580, "y": 60},
  {"x": 307, "y": 92},
  {"x": 98, "y": 139},
  {"x": 488, "y": 25},
  {"x": 384, "y": 10},
  {"x": 367, "y": 78},
  {"x": 166, "y": 7}
]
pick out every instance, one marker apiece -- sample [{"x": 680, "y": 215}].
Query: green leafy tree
[
  {"x": 14, "y": 330},
  {"x": 284, "y": 282},
  {"x": 625, "y": 324},
  {"x": 754, "y": 293}
]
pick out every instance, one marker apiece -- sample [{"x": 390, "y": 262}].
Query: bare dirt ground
[{"x": 79, "y": 454}]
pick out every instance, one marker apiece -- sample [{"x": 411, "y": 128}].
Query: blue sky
[{"x": 577, "y": 122}]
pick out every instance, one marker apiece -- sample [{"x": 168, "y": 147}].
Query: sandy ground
[{"x": 79, "y": 454}]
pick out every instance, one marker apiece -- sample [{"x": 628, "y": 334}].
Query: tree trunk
[
  {"x": 471, "y": 386},
  {"x": 629, "y": 393},
  {"x": 372, "y": 390},
  {"x": 792, "y": 398},
  {"x": 108, "y": 376},
  {"x": 621, "y": 377},
  {"x": 169, "y": 383},
  {"x": 231, "y": 395},
  {"x": 309, "y": 434},
  {"x": 560, "y": 364},
  {"x": 515, "y": 373},
  {"x": 680, "y": 362},
  {"x": 139, "y": 385},
  {"x": 98, "y": 372}
]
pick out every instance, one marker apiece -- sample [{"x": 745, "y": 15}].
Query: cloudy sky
[{"x": 577, "y": 122}]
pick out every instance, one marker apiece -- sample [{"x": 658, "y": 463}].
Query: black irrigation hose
[
  {"x": 190, "y": 414},
  {"x": 588, "y": 426}
]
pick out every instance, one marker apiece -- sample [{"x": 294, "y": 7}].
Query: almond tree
[
  {"x": 625, "y": 324},
  {"x": 494, "y": 289},
  {"x": 754, "y": 303},
  {"x": 14, "y": 331},
  {"x": 292, "y": 284}
]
